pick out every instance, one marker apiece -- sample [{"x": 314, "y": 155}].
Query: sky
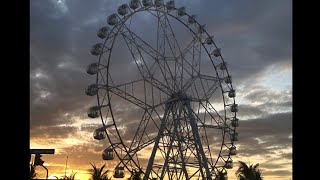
[{"x": 256, "y": 41}]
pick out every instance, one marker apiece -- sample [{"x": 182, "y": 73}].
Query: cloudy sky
[{"x": 256, "y": 41}]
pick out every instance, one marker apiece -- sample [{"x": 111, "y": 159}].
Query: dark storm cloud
[
  {"x": 61, "y": 34},
  {"x": 265, "y": 135},
  {"x": 252, "y": 34},
  {"x": 60, "y": 39},
  {"x": 275, "y": 124}
]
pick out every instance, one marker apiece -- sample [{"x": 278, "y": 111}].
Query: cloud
[
  {"x": 260, "y": 94},
  {"x": 255, "y": 38},
  {"x": 277, "y": 173},
  {"x": 265, "y": 136},
  {"x": 53, "y": 131}
]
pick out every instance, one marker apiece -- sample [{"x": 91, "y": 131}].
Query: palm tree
[
  {"x": 246, "y": 172},
  {"x": 98, "y": 173},
  {"x": 136, "y": 175},
  {"x": 33, "y": 173},
  {"x": 221, "y": 176},
  {"x": 71, "y": 177}
]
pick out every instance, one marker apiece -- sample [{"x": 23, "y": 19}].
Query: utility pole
[{"x": 65, "y": 171}]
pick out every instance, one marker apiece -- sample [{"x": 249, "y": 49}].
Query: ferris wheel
[{"x": 164, "y": 94}]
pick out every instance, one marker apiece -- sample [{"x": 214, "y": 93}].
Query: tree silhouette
[
  {"x": 136, "y": 175},
  {"x": 221, "y": 176},
  {"x": 98, "y": 173},
  {"x": 246, "y": 172},
  {"x": 71, "y": 177}
]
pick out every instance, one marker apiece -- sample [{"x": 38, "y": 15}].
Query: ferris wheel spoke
[
  {"x": 127, "y": 96},
  {"x": 141, "y": 130},
  {"x": 195, "y": 43},
  {"x": 176, "y": 44},
  {"x": 191, "y": 81},
  {"x": 161, "y": 47},
  {"x": 219, "y": 121},
  {"x": 132, "y": 152},
  {"x": 210, "y": 161},
  {"x": 147, "y": 77},
  {"x": 181, "y": 68},
  {"x": 172, "y": 50},
  {"x": 135, "y": 50},
  {"x": 159, "y": 85},
  {"x": 139, "y": 42}
]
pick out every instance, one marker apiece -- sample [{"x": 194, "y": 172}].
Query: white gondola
[
  {"x": 93, "y": 112},
  {"x": 201, "y": 29},
  {"x": 103, "y": 32},
  {"x": 234, "y": 108},
  {"x": 222, "y": 66},
  {"x": 234, "y": 136},
  {"x": 123, "y": 9},
  {"x": 228, "y": 79},
  {"x": 233, "y": 151},
  {"x": 235, "y": 122},
  {"x": 181, "y": 11},
  {"x": 97, "y": 49},
  {"x": 232, "y": 93},
  {"x": 158, "y": 3},
  {"x": 93, "y": 68},
  {"x": 216, "y": 52},
  {"x": 209, "y": 40},
  {"x": 147, "y": 3},
  {"x": 92, "y": 90},
  {"x": 229, "y": 164},
  {"x": 99, "y": 134},
  {"x": 108, "y": 154},
  {"x": 191, "y": 19},
  {"x": 119, "y": 172},
  {"x": 170, "y": 5},
  {"x": 134, "y": 4},
  {"x": 112, "y": 19}
]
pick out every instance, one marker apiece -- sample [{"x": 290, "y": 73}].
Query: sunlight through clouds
[{"x": 255, "y": 38}]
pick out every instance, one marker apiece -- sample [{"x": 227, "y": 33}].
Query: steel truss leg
[{"x": 156, "y": 143}]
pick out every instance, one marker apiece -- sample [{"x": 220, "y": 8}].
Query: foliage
[
  {"x": 221, "y": 176},
  {"x": 98, "y": 173},
  {"x": 246, "y": 172},
  {"x": 136, "y": 175},
  {"x": 71, "y": 177}
]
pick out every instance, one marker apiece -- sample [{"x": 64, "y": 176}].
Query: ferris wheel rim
[{"x": 143, "y": 9}]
